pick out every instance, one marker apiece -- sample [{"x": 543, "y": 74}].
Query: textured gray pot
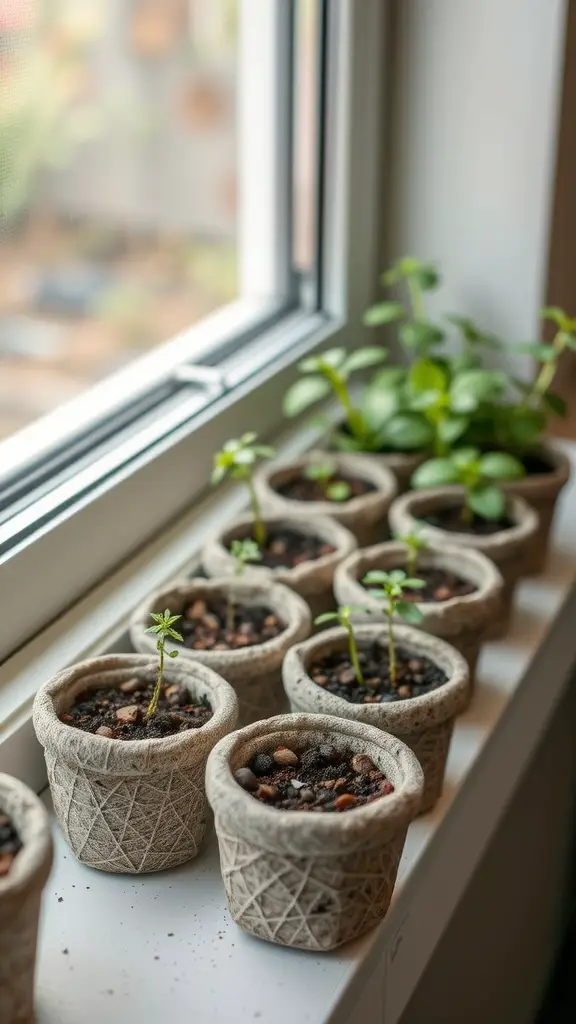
[
  {"x": 313, "y": 881},
  {"x": 424, "y": 723},
  {"x": 20, "y": 894},
  {"x": 254, "y": 672},
  {"x": 541, "y": 491},
  {"x": 509, "y": 549},
  {"x": 463, "y": 621},
  {"x": 365, "y": 516},
  {"x": 312, "y": 580},
  {"x": 130, "y": 805}
]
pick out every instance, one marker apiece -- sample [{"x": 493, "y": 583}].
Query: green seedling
[
  {"x": 391, "y": 592},
  {"x": 323, "y": 474},
  {"x": 414, "y": 542},
  {"x": 243, "y": 551},
  {"x": 417, "y": 333},
  {"x": 344, "y": 619},
  {"x": 237, "y": 460},
  {"x": 164, "y": 629},
  {"x": 329, "y": 373},
  {"x": 477, "y": 474},
  {"x": 472, "y": 341}
]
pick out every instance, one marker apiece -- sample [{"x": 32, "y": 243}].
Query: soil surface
[
  {"x": 203, "y": 626},
  {"x": 536, "y": 465},
  {"x": 440, "y": 586},
  {"x": 301, "y": 489},
  {"x": 450, "y": 519},
  {"x": 120, "y": 713},
  {"x": 319, "y": 779},
  {"x": 10, "y": 844},
  {"x": 415, "y": 676},
  {"x": 285, "y": 549}
]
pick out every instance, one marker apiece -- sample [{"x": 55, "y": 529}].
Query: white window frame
[{"x": 51, "y": 570}]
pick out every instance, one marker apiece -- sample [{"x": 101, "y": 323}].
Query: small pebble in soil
[
  {"x": 414, "y": 677},
  {"x": 325, "y": 779},
  {"x": 120, "y": 713},
  {"x": 10, "y": 844},
  {"x": 204, "y": 625},
  {"x": 441, "y": 585},
  {"x": 285, "y": 549}
]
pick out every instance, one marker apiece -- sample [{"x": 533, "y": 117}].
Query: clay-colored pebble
[
  {"x": 284, "y": 756},
  {"x": 131, "y": 713},
  {"x": 343, "y": 802}
]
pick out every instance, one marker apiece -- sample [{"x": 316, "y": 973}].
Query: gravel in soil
[
  {"x": 415, "y": 675},
  {"x": 285, "y": 549},
  {"x": 441, "y": 585},
  {"x": 451, "y": 519},
  {"x": 120, "y": 713},
  {"x": 301, "y": 489},
  {"x": 203, "y": 626},
  {"x": 10, "y": 844},
  {"x": 318, "y": 779}
]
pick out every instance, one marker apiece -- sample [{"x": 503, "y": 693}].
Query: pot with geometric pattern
[
  {"x": 311, "y": 881},
  {"x": 130, "y": 805},
  {"x": 424, "y": 723},
  {"x": 20, "y": 896}
]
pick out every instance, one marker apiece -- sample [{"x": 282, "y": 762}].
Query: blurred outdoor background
[{"x": 117, "y": 186}]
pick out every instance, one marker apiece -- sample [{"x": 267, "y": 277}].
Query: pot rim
[
  {"x": 325, "y": 528},
  {"x": 32, "y": 864},
  {"x": 443, "y": 702},
  {"x": 553, "y": 480},
  {"x": 377, "y": 474},
  {"x": 410, "y": 506},
  {"x": 54, "y": 734},
  {"x": 397, "y": 807},
  {"x": 490, "y": 586},
  {"x": 282, "y": 600}
]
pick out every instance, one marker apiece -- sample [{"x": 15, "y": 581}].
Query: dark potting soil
[
  {"x": 10, "y": 844},
  {"x": 535, "y": 464},
  {"x": 451, "y": 519},
  {"x": 440, "y": 586},
  {"x": 301, "y": 489},
  {"x": 321, "y": 778},
  {"x": 415, "y": 675},
  {"x": 120, "y": 713},
  {"x": 203, "y": 626},
  {"x": 285, "y": 549}
]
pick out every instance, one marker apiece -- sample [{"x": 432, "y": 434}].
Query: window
[{"x": 188, "y": 209}]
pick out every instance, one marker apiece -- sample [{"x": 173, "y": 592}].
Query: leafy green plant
[
  {"x": 391, "y": 591},
  {"x": 329, "y": 373},
  {"x": 477, "y": 473},
  {"x": 237, "y": 460},
  {"x": 472, "y": 341},
  {"x": 243, "y": 550},
  {"x": 417, "y": 333},
  {"x": 164, "y": 629},
  {"x": 323, "y": 473},
  {"x": 344, "y": 619},
  {"x": 414, "y": 542}
]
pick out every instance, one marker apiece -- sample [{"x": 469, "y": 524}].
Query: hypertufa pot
[
  {"x": 313, "y": 881},
  {"x": 424, "y": 723},
  {"x": 462, "y": 621},
  {"x": 509, "y": 549},
  {"x": 541, "y": 491},
  {"x": 20, "y": 894},
  {"x": 254, "y": 672},
  {"x": 130, "y": 805},
  {"x": 312, "y": 579},
  {"x": 365, "y": 515}
]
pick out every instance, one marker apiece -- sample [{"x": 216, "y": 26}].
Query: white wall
[{"x": 476, "y": 91}]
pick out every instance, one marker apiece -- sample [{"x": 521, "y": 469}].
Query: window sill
[{"x": 163, "y": 946}]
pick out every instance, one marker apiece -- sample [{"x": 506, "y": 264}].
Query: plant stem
[
  {"x": 153, "y": 705},
  {"x": 416, "y": 299},
  {"x": 466, "y": 514},
  {"x": 230, "y": 613},
  {"x": 548, "y": 370},
  {"x": 353, "y": 416},
  {"x": 354, "y": 654},
  {"x": 391, "y": 645},
  {"x": 259, "y": 528},
  {"x": 411, "y": 561}
]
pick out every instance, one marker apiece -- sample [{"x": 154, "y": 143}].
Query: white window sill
[{"x": 164, "y": 947}]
